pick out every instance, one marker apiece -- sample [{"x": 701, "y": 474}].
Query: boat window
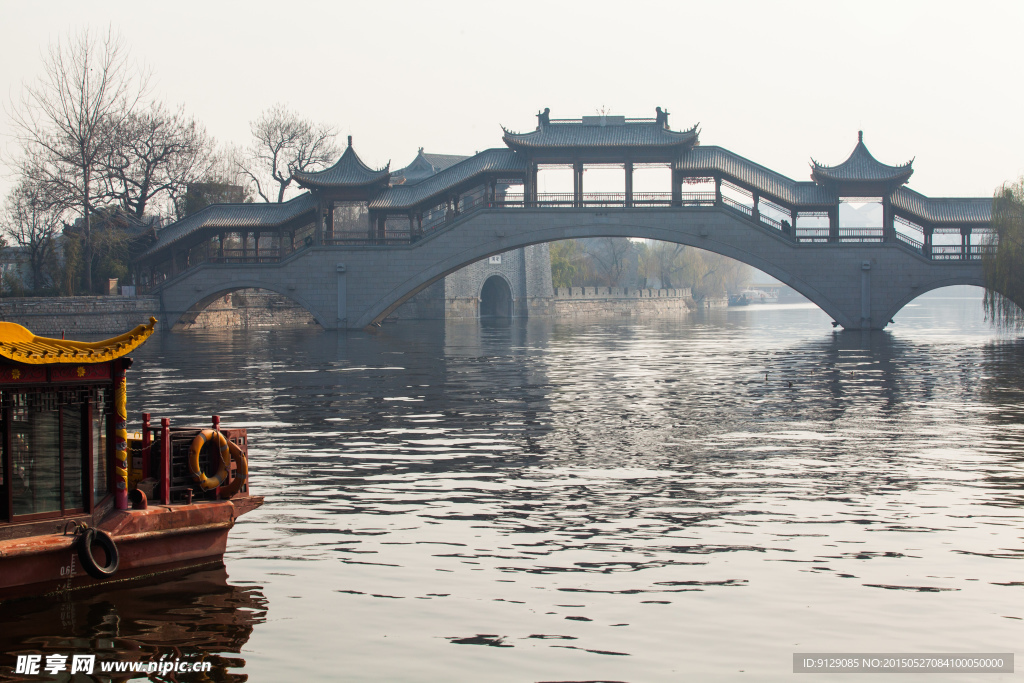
[
  {"x": 47, "y": 451},
  {"x": 71, "y": 453},
  {"x": 35, "y": 449},
  {"x": 100, "y": 457}
]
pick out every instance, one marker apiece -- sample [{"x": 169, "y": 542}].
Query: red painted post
[
  {"x": 227, "y": 479},
  {"x": 147, "y": 439},
  {"x": 165, "y": 461}
]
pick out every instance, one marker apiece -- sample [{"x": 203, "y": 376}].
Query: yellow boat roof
[{"x": 20, "y": 345}]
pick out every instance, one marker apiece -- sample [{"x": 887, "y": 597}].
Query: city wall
[
  {"x": 110, "y": 315},
  {"x": 620, "y": 301},
  {"x": 76, "y": 316}
]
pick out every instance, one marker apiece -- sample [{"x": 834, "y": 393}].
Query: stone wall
[
  {"x": 251, "y": 308},
  {"x": 79, "y": 315},
  {"x": 527, "y": 272},
  {"x": 620, "y": 301}
]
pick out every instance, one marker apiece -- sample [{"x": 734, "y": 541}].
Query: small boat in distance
[
  {"x": 76, "y": 485},
  {"x": 754, "y": 296}
]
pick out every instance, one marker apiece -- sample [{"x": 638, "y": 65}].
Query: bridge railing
[
  {"x": 390, "y": 238},
  {"x": 956, "y": 252},
  {"x": 811, "y": 234},
  {"x": 737, "y": 206},
  {"x": 860, "y": 234},
  {"x": 907, "y": 239}
]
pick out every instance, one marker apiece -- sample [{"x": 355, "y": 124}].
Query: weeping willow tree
[{"x": 1004, "y": 265}]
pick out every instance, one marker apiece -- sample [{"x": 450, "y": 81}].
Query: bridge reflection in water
[{"x": 361, "y": 241}]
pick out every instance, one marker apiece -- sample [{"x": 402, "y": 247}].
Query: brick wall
[{"x": 79, "y": 315}]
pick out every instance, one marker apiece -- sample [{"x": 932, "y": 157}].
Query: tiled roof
[
  {"x": 861, "y": 167},
  {"x": 234, "y": 216},
  {"x": 591, "y": 133},
  {"x": 424, "y": 166},
  {"x": 488, "y": 161},
  {"x": 944, "y": 210},
  {"x": 20, "y": 345},
  {"x": 349, "y": 171},
  {"x": 710, "y": 159}
]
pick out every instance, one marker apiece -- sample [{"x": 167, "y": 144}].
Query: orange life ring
[
  {"x": 206, "y": 483},
  {"x": 241, "y": 470}
]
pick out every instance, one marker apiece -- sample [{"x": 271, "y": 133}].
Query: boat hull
[{"x": 160, "y": 539}]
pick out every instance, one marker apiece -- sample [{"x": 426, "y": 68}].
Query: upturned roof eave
[{"x": 861, "y": 167}]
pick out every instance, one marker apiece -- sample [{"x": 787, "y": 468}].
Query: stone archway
[{"x": 496, "y": 298}]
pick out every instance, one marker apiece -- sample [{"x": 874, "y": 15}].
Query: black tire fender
[{"x": 92, "y": 567}]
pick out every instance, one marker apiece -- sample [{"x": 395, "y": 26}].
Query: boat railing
[{"x": 162, "y": 453}]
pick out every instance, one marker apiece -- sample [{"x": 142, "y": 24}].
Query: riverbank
[
  {"x": 85, "y": 315},
  {"x": 79, "y": 315},
  {"x": 620, "y": 301}
]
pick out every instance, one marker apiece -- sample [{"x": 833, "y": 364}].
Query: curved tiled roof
[
  {"x": 861, "y": 167},
  {"x": 349, "y": 171},
  {"x": 488, "y": 161},
  {"x": 710, "y": 159},
  {"x": 591, "y": 133},
  {"x": 233, "y": 217},
  {"x": 424, "y": 166},
  {"x": 944, "y": 210},
  {"x": 20, "y": 345}
]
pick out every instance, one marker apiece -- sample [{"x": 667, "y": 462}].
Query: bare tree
[
  {"x": 284, "y": 143},
  {"x": 610, "y": 258},
  {"x": 32, "y": 222},
  {"x": 159, "y": 154},
  {"x": 67, "y": 122}
]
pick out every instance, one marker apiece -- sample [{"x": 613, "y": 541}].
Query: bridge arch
[
  {"x": 932, "y": 286},
  {"x": 202, "y": 300},
  {"x": 496, "y": 299},
  {"x": 701, "y": 235}
]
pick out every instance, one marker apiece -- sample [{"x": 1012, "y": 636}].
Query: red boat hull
[{"x": 160, "y": 539}]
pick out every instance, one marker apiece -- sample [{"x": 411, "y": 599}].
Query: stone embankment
[
  {"x": 251, "y": 308},
  {"x": 620, "y": 301},
  {"x": 76, "y": 316}
]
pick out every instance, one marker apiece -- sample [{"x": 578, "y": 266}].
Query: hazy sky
[{"x": 777, "y": 82}]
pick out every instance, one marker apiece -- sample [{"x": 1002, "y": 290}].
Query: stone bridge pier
[{"x": 860, "y": 285}]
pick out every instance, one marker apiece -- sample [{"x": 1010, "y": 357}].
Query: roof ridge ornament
[
  {"x": 661, "y": 117},
  {"x": 543, "y": 118}
]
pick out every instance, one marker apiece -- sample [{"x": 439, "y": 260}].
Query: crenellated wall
[{"x": 620, "y": 301}]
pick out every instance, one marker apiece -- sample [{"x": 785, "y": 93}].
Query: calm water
[{"x": 622, "y": 500}]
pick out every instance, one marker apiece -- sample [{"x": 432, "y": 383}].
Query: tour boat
[
  {"x": 85, "y": 503},
  {"x": 754, "y": 296}
]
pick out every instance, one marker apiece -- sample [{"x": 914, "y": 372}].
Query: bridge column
[
  {"x": 833, "y": 223},
  {"x": 577, "y": 188},
  {"x": 329, "y": 223},
  {"x": 718, "y": 190},
  {"x": 629, "y": 184},
  {"x": 755, "y": 209},
  {"x": 530, "y": 185},
  {"x": 888, "y": 221},
  {"x": 792, "y": 225},
  {"x": 865, "y": 295},
  {"x": 926, "y": 248},
  {"x": 965, "y": 243}
]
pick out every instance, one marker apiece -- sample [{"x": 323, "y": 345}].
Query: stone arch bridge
[{"x": 360, "y": 241}]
